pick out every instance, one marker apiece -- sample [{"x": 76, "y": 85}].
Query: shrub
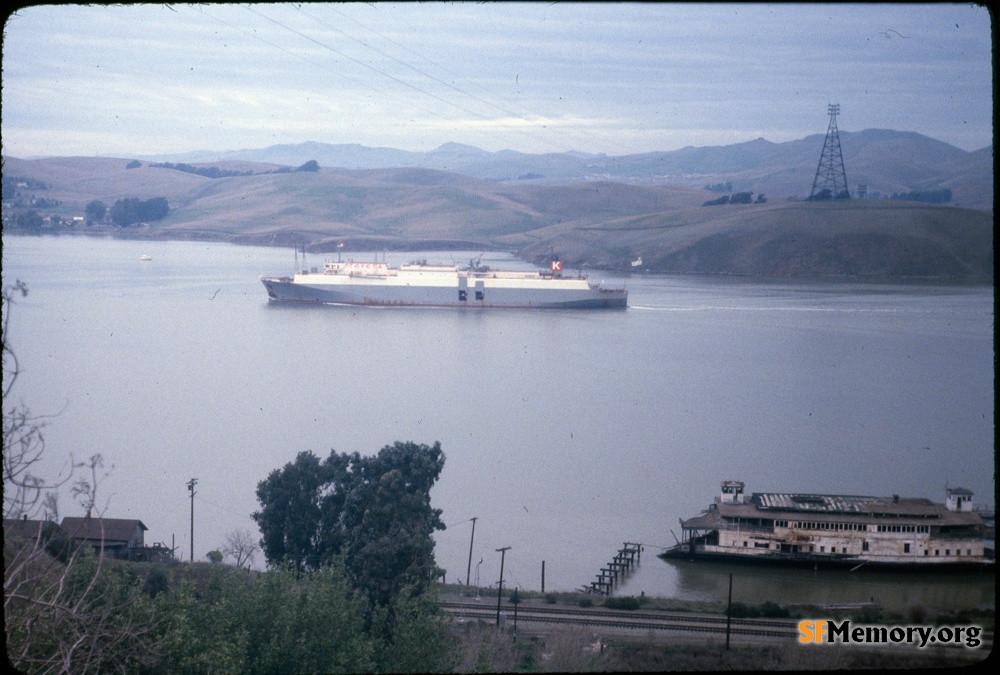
[
  {"x": 629, "y": 603},
  {"x": 774, "y": 611}
]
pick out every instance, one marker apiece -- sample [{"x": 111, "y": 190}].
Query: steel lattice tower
[{"x": 830, "y": 174}]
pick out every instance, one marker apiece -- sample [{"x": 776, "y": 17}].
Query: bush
[
  {"x": 550, "y": 598},
  {"x": 629, "y": 603},
  {"x": 586, "y": 602},
  {"x": 771, "y": 610}
]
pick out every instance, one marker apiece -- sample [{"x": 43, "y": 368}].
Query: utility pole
[
  {"x": 503, "y": 553},
  {"x": 729, "y": 610},
  {"x": 191, "y": 484},
  {"x": 468, "y": 570}
]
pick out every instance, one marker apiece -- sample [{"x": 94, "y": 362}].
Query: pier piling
[{"x": 625, "y": 560}]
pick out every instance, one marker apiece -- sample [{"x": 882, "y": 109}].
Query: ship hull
[
  {"x": 285, "y": 289},
  {"x": 822, "y": 562}
]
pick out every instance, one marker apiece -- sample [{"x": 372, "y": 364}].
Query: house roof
[
  {"x": 23, "y": 527},
  {"x": 106, "y": 529}
]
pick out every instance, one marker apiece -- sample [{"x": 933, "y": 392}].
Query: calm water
[{"x": 566, "y": 433}]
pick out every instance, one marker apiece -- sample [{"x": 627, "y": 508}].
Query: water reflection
[{"x": 893, "y": 590}]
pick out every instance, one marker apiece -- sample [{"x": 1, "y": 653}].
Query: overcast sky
[{"x": 534, "y": 77}]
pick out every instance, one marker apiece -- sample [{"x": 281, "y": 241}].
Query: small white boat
[{"x": 144, "y": 257}]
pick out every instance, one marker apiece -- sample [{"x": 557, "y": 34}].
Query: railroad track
[
  {"x": 660, "y": 621},
  {"x": 682, "y": 622}
]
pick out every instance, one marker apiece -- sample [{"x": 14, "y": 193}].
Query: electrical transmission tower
[{"x": 830, "y": 174}]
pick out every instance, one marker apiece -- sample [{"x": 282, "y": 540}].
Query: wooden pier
[{"x": 625, "y": 561}]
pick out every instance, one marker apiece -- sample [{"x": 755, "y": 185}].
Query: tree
[
  {"x": 239, "y": 545},
  {"x": 65, "y": 608},
  {"x": 311, "y": 165},
  {"x": 375, "y": 510},
  {"x": 23, "y": 442},
  {"x": 391, "y": 522},
  {"x": 31, "y": 220},
  {"x": 95, "y": 211},
  {"x": 214, "y": 557},
  {"x": 129, "y": 211}
]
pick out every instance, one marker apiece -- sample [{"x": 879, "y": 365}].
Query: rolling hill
[
  {"x": 597, "y": 223},
  {"x": 885, "y": 161}
]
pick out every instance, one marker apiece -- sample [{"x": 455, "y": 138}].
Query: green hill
[{"x": 597, "y": 224}]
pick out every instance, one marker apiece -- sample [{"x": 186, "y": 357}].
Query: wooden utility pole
[
  {"x": 729, "y": 610},
  {"x": 468, "y": 570},
  {"x": 191, "y": 484},
  {"x": 503, "y": 553}
]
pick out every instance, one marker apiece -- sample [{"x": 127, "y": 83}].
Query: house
[
  {"x": 120, "y": 538},
  {"x": 30, "y": 529}
]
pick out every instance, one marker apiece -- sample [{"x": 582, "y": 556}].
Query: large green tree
[{"x": 374, "y": 509}]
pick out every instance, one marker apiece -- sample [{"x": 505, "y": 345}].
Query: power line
[
  {"x": 522, "y": 116},
  {"x": 547, "y": 123},
  {"x": 380, "y": 72},
  {"x": 512, "y": 113},
  {"x": 320, "y": 66}
]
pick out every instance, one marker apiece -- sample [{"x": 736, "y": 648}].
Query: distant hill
[
  {"x": 885, "y": 161},
  {"x": 599, "y": 223}
]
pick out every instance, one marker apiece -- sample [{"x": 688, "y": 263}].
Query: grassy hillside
[
  {"x": 865, "y": 239},
  {"x": 597, "y": 224}
]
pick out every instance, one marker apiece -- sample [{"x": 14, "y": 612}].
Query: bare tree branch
[{"x": 241, "y": 546}]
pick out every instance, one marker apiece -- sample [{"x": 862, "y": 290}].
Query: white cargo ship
[{"x": 419, "y": 284}]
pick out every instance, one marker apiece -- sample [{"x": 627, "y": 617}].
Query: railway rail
[
  {"x": 659, "y": 621},
  {"x": 744, "y": 629}
]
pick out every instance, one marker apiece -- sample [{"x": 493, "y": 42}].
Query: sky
[{"x": 155, "y": 79}]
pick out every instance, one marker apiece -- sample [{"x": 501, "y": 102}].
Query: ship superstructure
[{"x": 837, "y": 529}]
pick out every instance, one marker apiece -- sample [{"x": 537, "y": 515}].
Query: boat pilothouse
[{"x": 840, "y": 529}]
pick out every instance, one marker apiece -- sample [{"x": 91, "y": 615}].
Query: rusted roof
[
  {"x": 813, "y": 503},
  {"x": 833, "y": 508},
  {"x": 708, "y": 520},
  {"x": 98, "y": 529}
]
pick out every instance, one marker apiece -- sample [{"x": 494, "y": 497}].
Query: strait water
[{"x": 566, "y": 433}]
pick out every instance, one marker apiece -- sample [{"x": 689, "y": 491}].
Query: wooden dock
[{"x": 624, "y": 563}]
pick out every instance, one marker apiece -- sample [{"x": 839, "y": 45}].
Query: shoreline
[{"x": 143, "y": 234}]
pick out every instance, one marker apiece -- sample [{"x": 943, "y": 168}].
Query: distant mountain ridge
[
  {"x": 884, "y": 161},
  {"x": 637, "y": 213}
]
